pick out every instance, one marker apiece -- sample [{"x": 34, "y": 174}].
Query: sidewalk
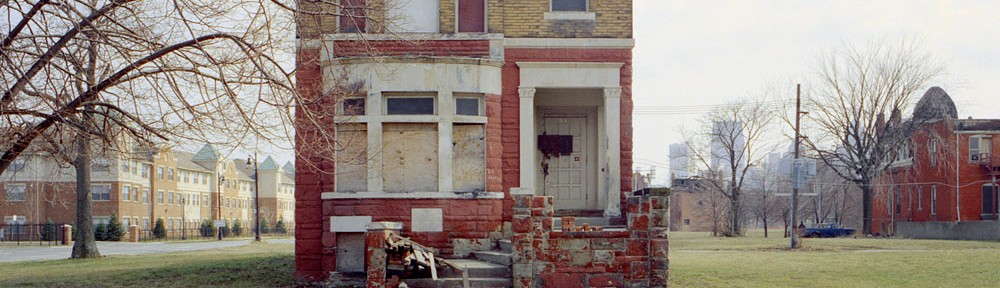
[{"x": 15, "y": 254}]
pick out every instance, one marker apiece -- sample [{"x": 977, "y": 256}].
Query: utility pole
[{"x": 796, "y": 169}]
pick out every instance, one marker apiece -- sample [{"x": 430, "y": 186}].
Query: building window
[
  {"x": 17, "y": 165},
  {"x": 124, "y": 166},
  {"x": 204, "y": 179},
  {"x": 100, "y": 192},
  {"x": 159, "y": 197},
  {"x": 979, "y": 148},
  {"x": 170, "y": 197},
  {"x": 353, "y": 106},
  {"x": 468, "y": 106},
  {"x": 170, "y": 174},
  {"x": 135, "y": 167},
  {"x": 101, "y": 165},
  {"x": 409, "y": 106},
  {"x": 933, "y": 199},
  {"x": 16, "y": 192},
  {"x": 126, "y": 195},
  {"x": 185, "y": 173},
  {"x": 353, "y": 16},
  {"x": 898, "y": 194},
  {"x": 159, "y": 172},
  {"x": 145, "y": 196},
  {"x": 569, "y": 5},
  {"x": 144, "y": 171},
  {"x": 989, "y": 202},
  {"x": 471, "y": 16},
  {"x": 932, "y": 152},
  {"x": 920, "y": 198},
  {"x": 204, "y": 200}
]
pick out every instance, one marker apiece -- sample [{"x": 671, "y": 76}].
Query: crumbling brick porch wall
[{"x": 635, "y": 257}]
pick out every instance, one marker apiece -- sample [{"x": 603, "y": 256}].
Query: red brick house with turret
[{"x": 943, "y": 184}]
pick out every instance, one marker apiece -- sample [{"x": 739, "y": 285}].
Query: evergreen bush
[
  {"x": 159, "y": 229},
  {"x": 115, "y": 230},
  {"x": 264, "y": 226},
  {"x": 207, "y": 229},
  {"x": 49, "y": 231},
  {"x": 100, "y": 232},
  {"x": 237, "y": 228},
  {"x": 280, "y": 227}
]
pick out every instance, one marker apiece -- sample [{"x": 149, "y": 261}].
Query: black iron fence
[
  {"x": 206, "y": 234},
  {"x": 31, "y": 234}
]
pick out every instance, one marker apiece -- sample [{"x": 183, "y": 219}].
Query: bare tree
[
  {"x": 114, "y": 77},
  {"x": 731, "y": 142},
  {"x": 859, "y": 92}
]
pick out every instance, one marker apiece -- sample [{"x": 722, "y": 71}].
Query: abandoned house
[{"x": 466, "y": 128}]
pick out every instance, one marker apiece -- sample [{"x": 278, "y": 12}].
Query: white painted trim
[
  {"x": 446, "y": 103},
  {"x": 570, "y": 74},
  {"x": 589, "y": 43},
  {"x": 527, "y": 137},
  {"x": 612, "y": 112},
  {"x": 411, "y": 36},
  {"x": 412, "y": 195},
  {"x": 571, "y": 15}
]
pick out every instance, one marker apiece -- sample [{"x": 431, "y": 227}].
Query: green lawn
[
  {"x": 255, "y": 265},
  {"x": 698, "y": 260}
]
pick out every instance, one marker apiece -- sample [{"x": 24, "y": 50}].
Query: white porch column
[
  {"x": 527, "y": 137},
  {"x": 612, "y": 118}
]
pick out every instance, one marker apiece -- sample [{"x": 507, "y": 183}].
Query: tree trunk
[
  {"x": 85, "y": 245},
  {"x": 735, "y": 215},
  {"x": 866, "y": 203}
]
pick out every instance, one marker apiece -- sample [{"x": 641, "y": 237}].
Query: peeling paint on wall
[
  {"x": 410, "y": 157},
  {"x": 469, "y": 164}
]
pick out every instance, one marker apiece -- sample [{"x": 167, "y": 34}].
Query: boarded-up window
[
  {"x": 469, "y": 163},
  {"x": 410, "y": 157},
  {"x": 352, "y": 17},
  {"x": 569, "y": 5},
  {"x": 471, "y": 16},
  {"x": 352, "y": 158},
  {"x": 413, "y": 16}
]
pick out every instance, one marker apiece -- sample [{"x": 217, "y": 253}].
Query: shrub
[
  {"x": 100, "y": 232},
  {"x": 280, "y": 227},
  {"x": 207, "y": 228},
  {"x": 49, "y": 230},
  {"x": 237, "y": 229},
  {"x": 264, "y": 226},
  {"x": 115, "y": 230},
  {"x": 159, "y": 229}
]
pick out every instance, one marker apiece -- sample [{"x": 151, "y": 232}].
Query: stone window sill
[{"x": 571, "y": 15}]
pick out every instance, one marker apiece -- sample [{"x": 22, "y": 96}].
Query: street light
[
  {"x": 219, "y": 215},
  {"x": 256, "y": 197}
]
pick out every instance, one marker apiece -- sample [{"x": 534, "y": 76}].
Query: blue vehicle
[{"x": 828, "y": 230}]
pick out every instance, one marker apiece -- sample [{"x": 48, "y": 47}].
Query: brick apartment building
[
  {"x": 692, "y": 206},
  {"x": 179, "y": 187},
  {"x": 946, "y": 174},
  {"x": 468, "y": 104}
]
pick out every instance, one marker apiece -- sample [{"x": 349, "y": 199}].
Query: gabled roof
[
  {"x": 268, "y": 165},
  {"x": 184, "y": 162},
  {"x": 207, "y": 153},
  {"x": 244, "y": 171},
  {"x": 288, "y": 168}
]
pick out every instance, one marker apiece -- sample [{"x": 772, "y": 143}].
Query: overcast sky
[{"x": 705, "y": 53}]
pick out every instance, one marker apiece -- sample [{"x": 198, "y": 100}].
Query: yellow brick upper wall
[{"x": 525, "y": 19}]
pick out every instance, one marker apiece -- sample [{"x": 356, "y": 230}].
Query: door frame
[{"x": 591, "y": 145}]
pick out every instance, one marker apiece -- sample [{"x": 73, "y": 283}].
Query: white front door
[{"x": 565, "y": 176}]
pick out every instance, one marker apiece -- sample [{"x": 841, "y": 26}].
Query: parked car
[{"x": 827, "y": 231}]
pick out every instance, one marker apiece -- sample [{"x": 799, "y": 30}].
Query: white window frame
[
  {"x": 101, "y": 164},
  {"x": 486, "y": 16},
  {"x": 126, "y": 193},
  {"x": 920, "y": 198},
  {"x": 979, "y": 151},
  {"x": 13, "y": 186},
  {"x": 586, "y": 7},
  {"x": 92, "y": 193},
  {"x": 482, "y": 105},
  {"x": 934, "y": 200},
  {"x": 932, "y": 152},
  {"x": 387, "y": 96}
]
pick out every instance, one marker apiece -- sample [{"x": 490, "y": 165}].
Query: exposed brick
[
  {"x": 563, "y": 280},
  {"x": 606, "y": 280}
]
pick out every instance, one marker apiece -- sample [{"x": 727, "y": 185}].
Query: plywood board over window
[
  {"x": 469, "y": 163},
  {"x": 410, "y": 157},
  {"x": 352, "y": 158}
]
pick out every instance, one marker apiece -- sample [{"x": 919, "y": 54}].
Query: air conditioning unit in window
[{"x": 974, "y": 157}]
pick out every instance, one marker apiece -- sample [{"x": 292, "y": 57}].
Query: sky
[{"x": 700, "y": 54}]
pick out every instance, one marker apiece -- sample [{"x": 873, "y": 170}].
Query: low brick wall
[
  {"x": 635, "y": 257},
  {"x": 969, "y": 230}
]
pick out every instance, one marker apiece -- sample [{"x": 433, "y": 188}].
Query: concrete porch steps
[
  {"x": 496, "y": 257},
  {"x": 506, "y": 246},
  {"x": 480, "y": 273}
]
